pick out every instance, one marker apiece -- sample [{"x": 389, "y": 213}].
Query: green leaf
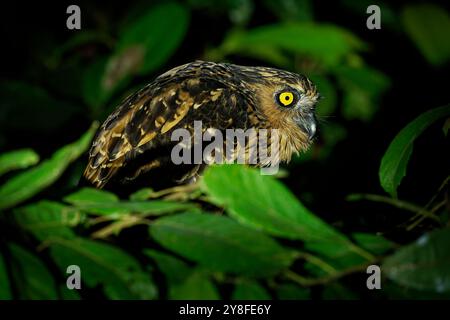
[
  {"x": 141, "y": 195},
  {"x": 326, "y": 43},
  {"x": 29, "y": 183},
  {"x": 197, "y": 286},
  {"x": 425, "y": 24},
  {"x": 272, "y": 208},
  {"x": 262, "y": 202},
  {"x": 422, "y": 265},
  {"x": 250, "y": 290},
  {"x": 5, "y": 287},
  {"x": 120, "y": 274},
  {"x": 174, "y": 269},
  {"x": 105, "y": 203},
  {"x": 46, "y": 219},
  {"x": 17, "y": 159},
  {"x": 30, "y": 275},
  {"x": 373, "y": 243},
  {"x": 221, "y": 244},
  {"x": 395, "y": 160},
  {"x": 90, "y": 195}
]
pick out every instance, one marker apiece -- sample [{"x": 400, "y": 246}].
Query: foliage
[
  {"x": 394, "y": 162},
  {"x": 260, "y": 236}
]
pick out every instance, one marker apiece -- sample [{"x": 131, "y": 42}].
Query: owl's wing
[{"x": 145, "y": 119}]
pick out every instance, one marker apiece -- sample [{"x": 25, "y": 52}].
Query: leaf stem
[{"x": 363, "y": 253}]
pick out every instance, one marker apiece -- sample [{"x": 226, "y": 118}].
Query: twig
[
  {"x": 125, "y": 222},
  {"x": 308, "y": 282},
  {"x": 420, "y": 219},
  {"x": 317, "y": 262},
  {"x": 433, "y": 210},
  {"x": 396, "y": 203},
  {"x": 177, "y": 189}
]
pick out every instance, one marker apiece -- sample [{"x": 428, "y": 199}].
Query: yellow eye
[{"x": 286, "y": 98}]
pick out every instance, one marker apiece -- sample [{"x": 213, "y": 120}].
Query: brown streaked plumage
[{"x": 135, "y": 139}]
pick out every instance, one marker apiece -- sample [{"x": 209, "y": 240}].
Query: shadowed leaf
[
  {"x": 424, "y": 264},
  {"x": 101, "y": 264},
  {"x": 395, "y": 160},
  {"x": 31, "y": 276}
]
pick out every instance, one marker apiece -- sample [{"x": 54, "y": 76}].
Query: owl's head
[{"x": 286, "y": 99}]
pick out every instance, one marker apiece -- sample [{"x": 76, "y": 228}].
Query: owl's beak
[{"x": 308, "y": 124}]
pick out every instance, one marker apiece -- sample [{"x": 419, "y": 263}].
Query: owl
[{"x": 135, "y": 140}]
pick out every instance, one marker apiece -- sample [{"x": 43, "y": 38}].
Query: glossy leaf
[
  {"x": 87, "y": 196},
  {"x": 29, "y": 183},
  {"x": 264, "y": 203},
  {"x": 395, "y": 160},
  {"x": 220, "y": 244},
  {"x": 17, "y": 159}
]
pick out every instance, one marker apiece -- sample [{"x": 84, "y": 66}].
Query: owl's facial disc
[{"x": 301, "y": 106}]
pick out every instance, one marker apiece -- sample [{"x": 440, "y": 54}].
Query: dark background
[{"x": 341, "y": 162}]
